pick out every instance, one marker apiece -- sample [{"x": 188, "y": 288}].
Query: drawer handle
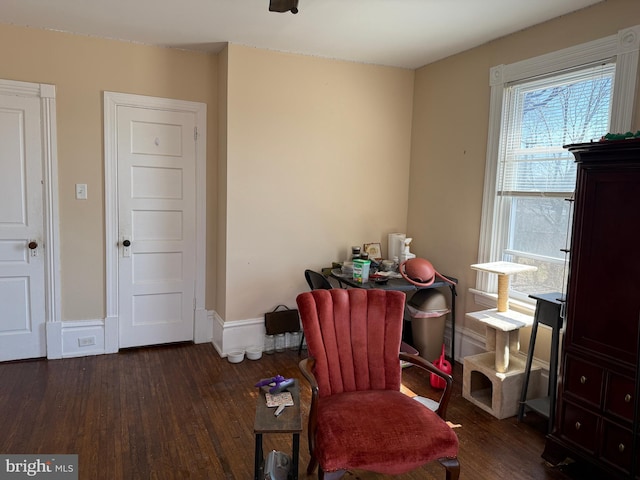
[
  {"x": 583, "y": 379},
  {"x": 578, "y": 425},
  {"x": 621, "y": 447},
  {"x": 627, "y": 398}
]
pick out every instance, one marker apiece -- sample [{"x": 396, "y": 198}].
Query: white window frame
[{"x": 624, "y": 48}]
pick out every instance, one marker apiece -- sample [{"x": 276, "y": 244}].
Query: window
[
  {"x": 539, "y": 105},
  {"x": 536, "y": 175}
]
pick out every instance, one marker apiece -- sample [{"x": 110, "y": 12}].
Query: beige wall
[
  {"x": 82, "y": 68},
  {"x": 315, "y": 157},
  {"x": 317, "y": 160},
  {"x": 451, "y": 112}
]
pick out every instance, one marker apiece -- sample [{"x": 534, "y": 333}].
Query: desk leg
[
  {"x": 258, "y": 457},
  {"x": 294, "y": 459},
  {"x": 553, "y": 372},
  {"x": 527, "y": 368}
]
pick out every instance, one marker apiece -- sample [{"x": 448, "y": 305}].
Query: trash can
[{"x": 428, "y": 311}]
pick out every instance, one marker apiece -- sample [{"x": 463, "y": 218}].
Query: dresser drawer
[
  {"x": 616, "y": 446},
  {"x": 584, "y": 380},
  {"x": 619, "y": 397},
  {"x": 580, "y": 426}
]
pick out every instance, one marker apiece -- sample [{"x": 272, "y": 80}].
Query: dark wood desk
[
  {"x": 289, "y": 421},
  {"x": 404, "y": 286}
]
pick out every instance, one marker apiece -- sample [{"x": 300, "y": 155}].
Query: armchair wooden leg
[
  {"x": 313, "y": 463},
  {"x": 452, "y": 465}
]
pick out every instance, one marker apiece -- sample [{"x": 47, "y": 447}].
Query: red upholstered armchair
[{"x": 359, "y": 419}]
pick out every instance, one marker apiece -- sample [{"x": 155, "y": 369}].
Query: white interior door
[
  {"x": 156, "y": 161},
  {"x": 22, "y": 293}
]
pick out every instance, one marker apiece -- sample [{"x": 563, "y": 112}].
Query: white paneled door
[
  {"x": 156, "y": 164},
  {"x": 22, "y": 256}
]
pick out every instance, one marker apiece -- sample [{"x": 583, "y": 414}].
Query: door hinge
[
  {"x": 195, "y": 134},
  {"x": 194, "y": 303}
]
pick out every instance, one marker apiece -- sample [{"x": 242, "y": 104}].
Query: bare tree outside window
[{"x": 537, "y": 175}]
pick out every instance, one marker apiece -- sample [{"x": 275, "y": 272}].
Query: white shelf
[
  {"x": 504, "y": 321},
  {"x": 503, "y": 268}
]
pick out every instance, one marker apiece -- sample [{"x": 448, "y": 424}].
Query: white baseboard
[
  {"x": 236, "y": 335},
  {"x": 468, "y": 342},
  {"x": 95, "y": 337},
  {"x": 80, "y": 338},
  {"x": 240, "y": 334}
]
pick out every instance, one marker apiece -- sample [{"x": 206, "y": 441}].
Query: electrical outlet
[{"x": 86, "y": 341}]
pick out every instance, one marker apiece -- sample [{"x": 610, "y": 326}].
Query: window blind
[{"x": 542, "y": 115}]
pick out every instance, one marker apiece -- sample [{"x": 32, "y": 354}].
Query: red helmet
[{"x": 420, "y": 272}]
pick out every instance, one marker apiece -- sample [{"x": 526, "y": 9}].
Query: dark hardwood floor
[{"x": 181, "y": 411}]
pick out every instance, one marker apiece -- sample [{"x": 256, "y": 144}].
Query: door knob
[
  {"x": 33, "y": 245},
  {"x": 126, "y": 243}
]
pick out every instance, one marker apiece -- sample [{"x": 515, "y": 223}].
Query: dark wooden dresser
[{"x": 595, "y": 421}]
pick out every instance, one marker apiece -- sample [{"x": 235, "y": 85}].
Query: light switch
[{"x": 81, "y": 191}]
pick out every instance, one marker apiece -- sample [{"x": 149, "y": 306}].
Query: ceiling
[{"x": 400, "y": 33}]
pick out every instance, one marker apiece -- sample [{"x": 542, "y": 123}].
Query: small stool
[
  {"x": 290, "y": 421},
  {"x": 548, "y": 312}
]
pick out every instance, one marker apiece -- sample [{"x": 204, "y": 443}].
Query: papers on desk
[{"x": 380, "y": 274}]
